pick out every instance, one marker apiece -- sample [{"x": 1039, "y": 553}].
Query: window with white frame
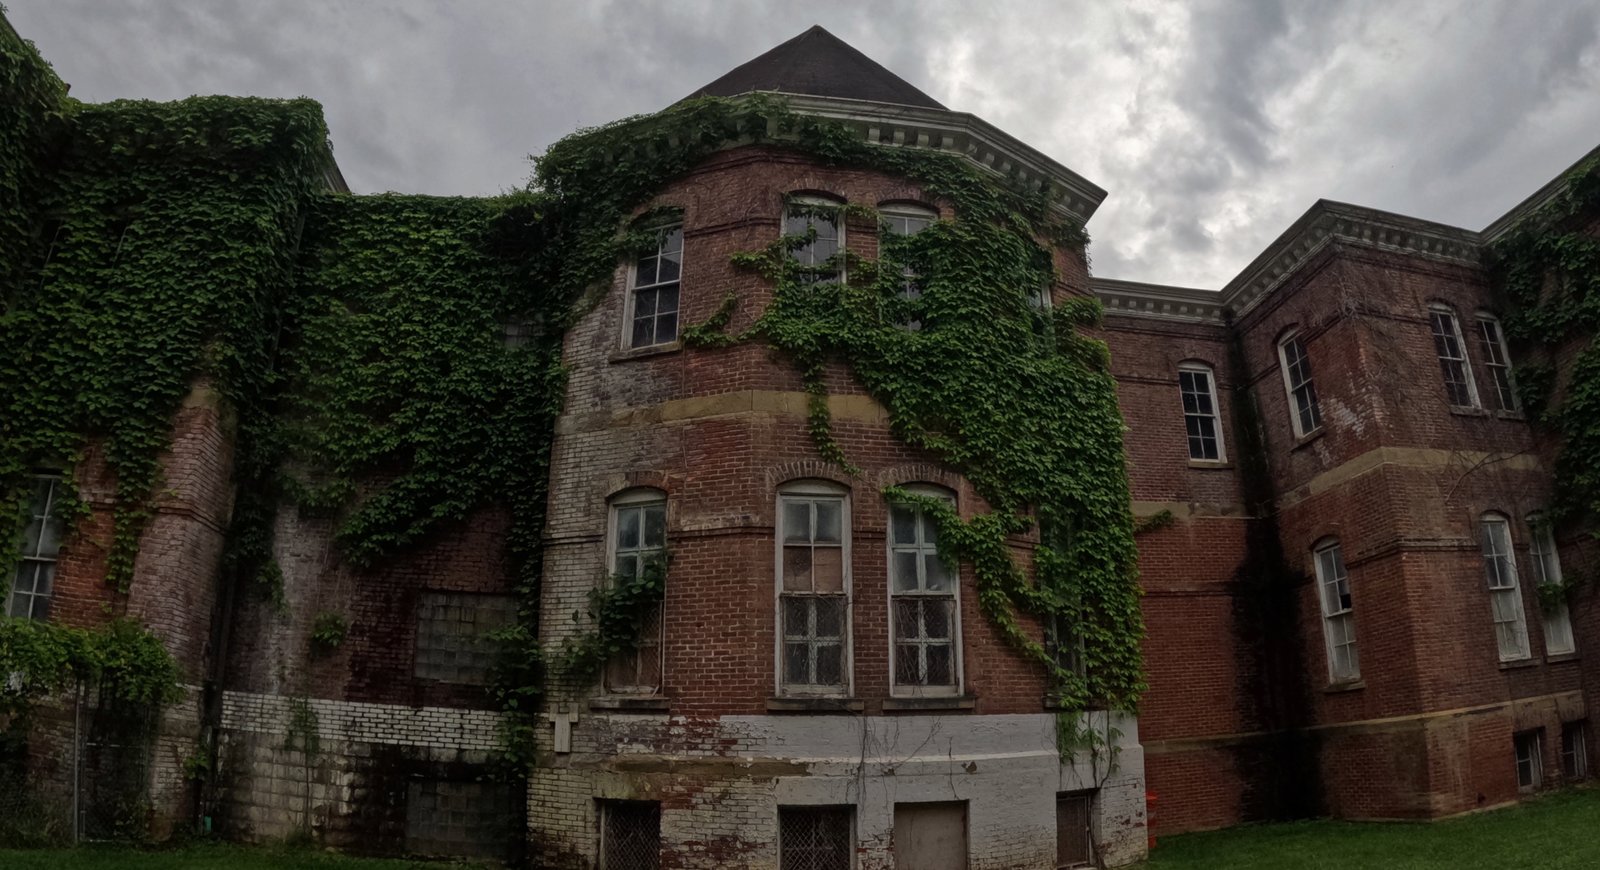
[
  {"x": 630, "y": 835},
  {"x": 1304, "y": 411},
  {"x": 1338, "y": 614},
  {"x": 34, "y": 582},
  {"x": 925, "y": 633},
  {"x": 1574, "y": 751},
  {"x": 1505, "y": 599},
  {"x": 815, "y": 838},
  {"x": 1558, "y": 639},
  {"x": 638, "y": 544},
  {"x": 1498, "y": 362},
  {"x": 1452, "y": 352},
  {"x": 1530, "y": 760},
  {"x": 815, "y": 222},
  {"x": 902, "y": 219},
  {"x": 1197, "y": 387},
  {"x": 653, "y": 301},
  {"x": 813, "y": 589}
]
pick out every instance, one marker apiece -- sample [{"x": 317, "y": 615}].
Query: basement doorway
[{"x": 930, "y": 836}]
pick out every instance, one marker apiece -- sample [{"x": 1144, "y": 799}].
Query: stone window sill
[
  {"x": 1210, "y": 465},
  {"x": 946, "y": 702},
  {"x": 1309, "y": 437},
  {"x": 645, "y": 352},
  {"x": 1351, "y": 686},
  {"x": 1558, "y": 658},
  {"x": 1518, "y": 664},
  {"x": 815, "y": 705},
  {"x": 1463, "y": 411},
  {"x": 626, "y": 703},
  {"x": 1510, "y": 415}
]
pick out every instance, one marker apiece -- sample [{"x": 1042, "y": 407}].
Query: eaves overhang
[{"x": 1138, "y": 299}]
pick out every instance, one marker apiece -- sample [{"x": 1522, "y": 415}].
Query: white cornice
[
  {"x": 1555, "y": 186},
  {"x": 1137, "y": 299},
  {"x": 958, "y": 133}
]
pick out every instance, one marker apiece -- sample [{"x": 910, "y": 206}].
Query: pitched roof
[{"x": 819, "y": 64}]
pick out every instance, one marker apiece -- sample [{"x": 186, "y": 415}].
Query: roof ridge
[{"x": 815, "y": 62}]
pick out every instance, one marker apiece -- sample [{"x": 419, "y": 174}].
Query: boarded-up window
[
  {"x": 630, "y": 835},
  {"x": 458, "y": 819},
  {"x": 814, "y": 838},
  {"x": 930, "y": 836},
  {"x": 1073, "y": 847},
  {"x": 453, "y": 629}
]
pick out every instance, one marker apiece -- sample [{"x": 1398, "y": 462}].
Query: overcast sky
[{"x": 1212, "y": 124}]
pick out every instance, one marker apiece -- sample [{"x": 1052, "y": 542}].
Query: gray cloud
[{"x": 1213, "y": 125}]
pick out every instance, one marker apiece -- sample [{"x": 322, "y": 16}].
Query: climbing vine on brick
[{"x": 1548, "y": 270}]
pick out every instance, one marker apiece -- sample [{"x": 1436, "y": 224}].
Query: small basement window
[
  {"x": 815, "y": 838},
  {"x": 1575, "y": 751},
  {"x": 1530, "y": 761},
  {"x": 630, "y": 835}
]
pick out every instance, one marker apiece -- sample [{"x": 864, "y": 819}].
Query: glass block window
[
  {"x": 813, "y": 587},
  {"x": 1197, "y": 388},
  {"x": 34, "y": 582},
  {"x": 815, "y": 838},
  {"x": 922, "y": 591},
  {"x": 1558, "y": 639},
  {"x": 814, "y": 223},
  {"x": 453, "y": 629},
  {"x": 630, "y": 835},
  {"x": 1304, "y": 412},
  {"x": 653, "y": 302},
  {"x": 1338, "y": 614},
  {"x": 458, "y": 819},
  {"x": 1498, "y": 363},
  {"x": 1458, "y": 386},
  {"x": 1505, "y": 599},
  {"x": 638, "y": 538}
]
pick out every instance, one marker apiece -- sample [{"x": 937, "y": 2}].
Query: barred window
[
  {"x": 638, "y": 542},
  {"x": 653, "y": 302},
  {"x": 34, "y": 582},
  {"x": 908, "y": 220},
  {"x": 1304, "y": 412},
  {"x": 1204, "y": 430},
  {"x": 1458, "y": 385},
  {"x": 814, "y": 588},
  {"x": 1505, "y": 599},
  {"x": 816, "y": 221},
  {"x": 922, "y": 592},
  {"x": 1558, "y": 639},
  {"x": 1495, "y": 359},
  {"x": 1338, "y": 614},
  {"x": 815, "y": 838},
  {"x": 630, "y": 835}
]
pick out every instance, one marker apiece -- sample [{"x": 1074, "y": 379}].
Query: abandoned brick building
[{"x": 1341, "y": 548}]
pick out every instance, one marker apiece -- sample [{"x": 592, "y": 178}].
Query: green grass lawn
[
  {"x": 209, "y": 856},
  {"x": 1551, "y": 833}
]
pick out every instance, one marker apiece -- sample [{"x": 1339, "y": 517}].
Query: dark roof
[{"x": 819, "y": 64}]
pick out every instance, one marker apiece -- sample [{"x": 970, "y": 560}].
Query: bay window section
[
  {"x": 1505, "y": 599},
  {"x": 925, "y": 618},
  {"x": 813, "y": 591}
]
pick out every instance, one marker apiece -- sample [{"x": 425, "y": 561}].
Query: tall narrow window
[
  {"x": 1574, "y": 751},
  {"x": 813, "y": 589},
  {"x": 814, "y": 223},
  {"x": 922, "y": 595},
  {"x": 1530, "y": 760},
  {"x": 1338, "y": 615},
  {"x": 1505, "y": 599},
  {"x": 1198, "y": 390},
  {"x": 1558, "y": 639},
  {"x": 1304, "y": 412},
  {"x": 630, "y": 835},
  {"x": 815, "y": 838},
  {"x": 1458, "y": 385},
  {"x": 1497, "y": 362},
  {"x": 653, "y": 303},
  {"x": 638, "y": 545},
  {"x": 41, "y": 544},
  {"x": 908, "y": 220}
]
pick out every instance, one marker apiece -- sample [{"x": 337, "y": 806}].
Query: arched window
[
  {"x": 1305, "y": 413},
  {"x": 1505, "y": 599},
  {"x": 1203, "y": 427},
  {"x": 816, "y": 219},
  {"x": 1338, "y": 614},
  {"x": 924, "y": 615},
  {"x": 652, "y": 309},
  {"x": 813, "y": 568},
  {"x": 1492, "y": 342},
  {"x": 637, "y": 544},
  {"x": 1459, "y": 388},
  {"x": 1558, "y": 639}
]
